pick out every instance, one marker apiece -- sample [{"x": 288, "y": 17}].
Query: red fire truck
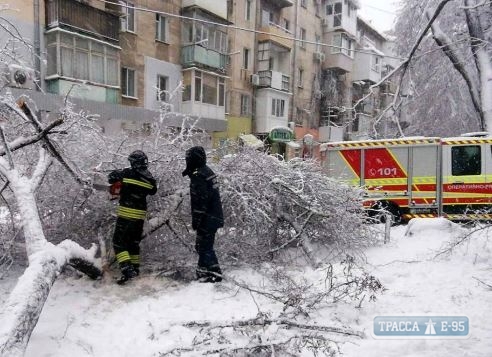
[{"x": 418, "y": 177}]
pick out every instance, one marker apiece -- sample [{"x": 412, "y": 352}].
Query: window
[
  {"x": 205, "y": 35},
  {"x": 186, "y": 86},
  {"x": 246, "y": 58},
  {"x": 466, "y": 160},
  {"x": 376, "y": 64},
  {"x": 329, "y": 9},
  {"x": 245, "y": 106},
  {"x": 97, "y": 62},
  {"x": 248, "y": 10},
  {"x": 300, "y": 77},
  {"x": 162, "y": 88},
  {"x": 127, "y": 22},
  {"x": 302, "y": 35},
  {"x": 198, "y": 86},
  {"x": 221, "y": 92},
  {"x": 271, "y": 63},
  {"x": 318, "y": 43},
  {"x": 128, "y": 82},
  {"x": 337, "y": 19},
  {"x": 209, "y": 89},
  {"x": 160, "y": 28},
  {"x": 304, "y": 3},
  {"x": 81, "y": 65},
  {"x": 343, "y": 44},
  {"x": 278, "y": 107},
  {"x": 80, "y": 58},
  {"x": 286, "y": 24}
]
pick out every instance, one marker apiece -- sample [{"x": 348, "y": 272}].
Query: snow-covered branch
[
  {"x": 44, "y": 162},
  {"x": 445, "y": 44}
]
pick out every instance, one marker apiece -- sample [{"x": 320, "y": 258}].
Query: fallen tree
[{"x": 46, "y": 260}]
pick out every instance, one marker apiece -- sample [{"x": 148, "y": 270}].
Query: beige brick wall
[
  {"x": 303, "y": 95},
  {"x": 239, "y": 82},
  {"x": 135, "y": 46}
]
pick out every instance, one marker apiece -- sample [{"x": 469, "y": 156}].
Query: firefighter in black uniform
[
  {"x": 135, "y": 184},
  {"x": 206, "y": 212}
]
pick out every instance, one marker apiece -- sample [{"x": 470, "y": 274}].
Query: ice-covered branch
[
  {"x": 22, "y": 142},
  {"x": 482, "y": 63},
  {"x": 27, "y": 113},
  {"x": 42, "y": 167},
  {"x": 445, "y": 44}
]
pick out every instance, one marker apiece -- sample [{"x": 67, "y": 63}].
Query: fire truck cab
[{"x": 418, "y": 177}]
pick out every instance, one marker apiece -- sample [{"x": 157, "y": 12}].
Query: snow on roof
[
  {"x": 294, "y": 145},
  {"x": 369, "y": 24},
  {"x": 373, "y": 49},
  {"x": 251, "y": 140}
]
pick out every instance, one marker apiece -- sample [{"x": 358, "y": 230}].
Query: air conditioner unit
[
  {"x": 255, "y": 79},
  {"x": 325, "y": 22},
  {"x": 21, "y": 77},
  {"x": 319, "y": 56}
]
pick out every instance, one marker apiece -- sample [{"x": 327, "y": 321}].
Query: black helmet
[{"x": 138, "y": 160}]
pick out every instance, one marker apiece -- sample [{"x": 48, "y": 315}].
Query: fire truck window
[{"x": 466, "y": 160}]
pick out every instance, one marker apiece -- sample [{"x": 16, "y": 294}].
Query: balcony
[
  {"x": 339, "y": 62},
  {"x": 366, "y": 69},
  {"x": 276, "y": 34},
  {"x": 216, "y": 7},
  {"x": 79, "y": 16},
  {"x": 280, "y": 4},
  {"x": 193, "y": 55},
  {"x": 340, "y": 22},
  {"x": 275, "y": 80}
]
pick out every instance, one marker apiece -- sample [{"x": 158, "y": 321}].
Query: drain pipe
[
  {"x": 294, "y": 63},
  {"x": 37, "y": 45}
]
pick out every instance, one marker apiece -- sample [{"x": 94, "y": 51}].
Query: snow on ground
[{"x": 145, "y": 318}]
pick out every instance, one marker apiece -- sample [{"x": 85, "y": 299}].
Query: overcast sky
[{"x": 380, "y": 13}]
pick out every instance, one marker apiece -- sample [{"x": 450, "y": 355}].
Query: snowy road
[{"x": 84, "y": 318}]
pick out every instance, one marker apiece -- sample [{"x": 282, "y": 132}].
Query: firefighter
[
  {"x": 133, "y": 184},
  {"x": 206, "y": 213}
]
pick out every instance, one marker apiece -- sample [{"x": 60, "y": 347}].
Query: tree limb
[{"x": 458, "y": 63}]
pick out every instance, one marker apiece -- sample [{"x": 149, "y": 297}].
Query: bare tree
[{"x": 448, "y": 86}]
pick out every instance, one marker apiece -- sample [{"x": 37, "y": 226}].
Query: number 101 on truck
[{"x": 417, "y": 177}]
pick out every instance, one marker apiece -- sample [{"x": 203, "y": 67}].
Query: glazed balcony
[
  {"x": 275, "y": 80},
  {"x": 196, "y": 55}
]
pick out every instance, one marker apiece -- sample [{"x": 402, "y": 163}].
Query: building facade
[{"x": 291, "y": 72}]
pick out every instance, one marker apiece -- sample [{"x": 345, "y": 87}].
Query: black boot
[
  {"x": 127, "y": 273},
  {"x": 211, "y": 274},
  {"x": 215, "y": 273}
]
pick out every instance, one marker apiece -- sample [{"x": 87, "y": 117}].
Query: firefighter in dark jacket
[
  {"x": 134, "y": 185},
  {"x": 206, "y": 212}
]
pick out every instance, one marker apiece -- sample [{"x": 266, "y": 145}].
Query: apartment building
[
  {"x": 288, "y": 71},
  {"x": 371, "y": 65}
]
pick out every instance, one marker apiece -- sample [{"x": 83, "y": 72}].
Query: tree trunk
[{"x": 24, "y": 305}]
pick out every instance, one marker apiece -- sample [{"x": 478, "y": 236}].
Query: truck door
[
  {"x": 424, "y": 171},
  {"x": 463, "y": 176}
]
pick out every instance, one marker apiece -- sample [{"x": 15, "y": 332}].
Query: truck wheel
[{"x": 381, "y": 209}]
